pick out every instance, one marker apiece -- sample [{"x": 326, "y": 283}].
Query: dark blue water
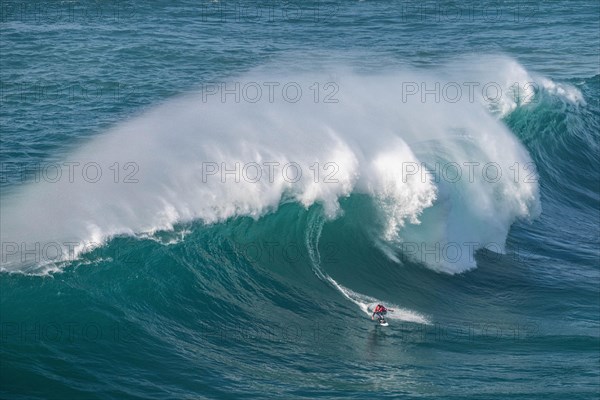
[{"x": 204, "y": 199}]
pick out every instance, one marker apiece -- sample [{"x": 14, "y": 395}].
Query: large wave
[{"x": 428, "y": 147}]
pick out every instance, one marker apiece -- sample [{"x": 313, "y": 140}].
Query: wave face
[{"x": 444, "y": 175}]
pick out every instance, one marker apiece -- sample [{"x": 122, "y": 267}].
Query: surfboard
[{"x": 383, "y": 323}]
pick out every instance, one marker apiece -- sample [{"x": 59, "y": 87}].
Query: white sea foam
[{"x": 368, "y": 136}]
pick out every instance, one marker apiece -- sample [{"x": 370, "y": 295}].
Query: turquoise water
[{"x": 202, "y": 200}]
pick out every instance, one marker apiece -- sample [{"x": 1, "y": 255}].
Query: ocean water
[{"x": 203, "y": 199}]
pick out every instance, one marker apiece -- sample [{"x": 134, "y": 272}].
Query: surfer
[{"x": 380, "y": 311}]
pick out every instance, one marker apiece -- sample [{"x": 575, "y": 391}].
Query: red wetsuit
[{"x": 380, "y": 311}]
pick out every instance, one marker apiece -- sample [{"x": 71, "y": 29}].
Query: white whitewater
[{"x": 371, "y": 135}]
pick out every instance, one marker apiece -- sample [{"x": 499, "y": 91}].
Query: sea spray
[{"x": 204, "y": 158}]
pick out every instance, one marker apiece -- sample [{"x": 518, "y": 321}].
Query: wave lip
[{"x": 198, "y": 159}]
